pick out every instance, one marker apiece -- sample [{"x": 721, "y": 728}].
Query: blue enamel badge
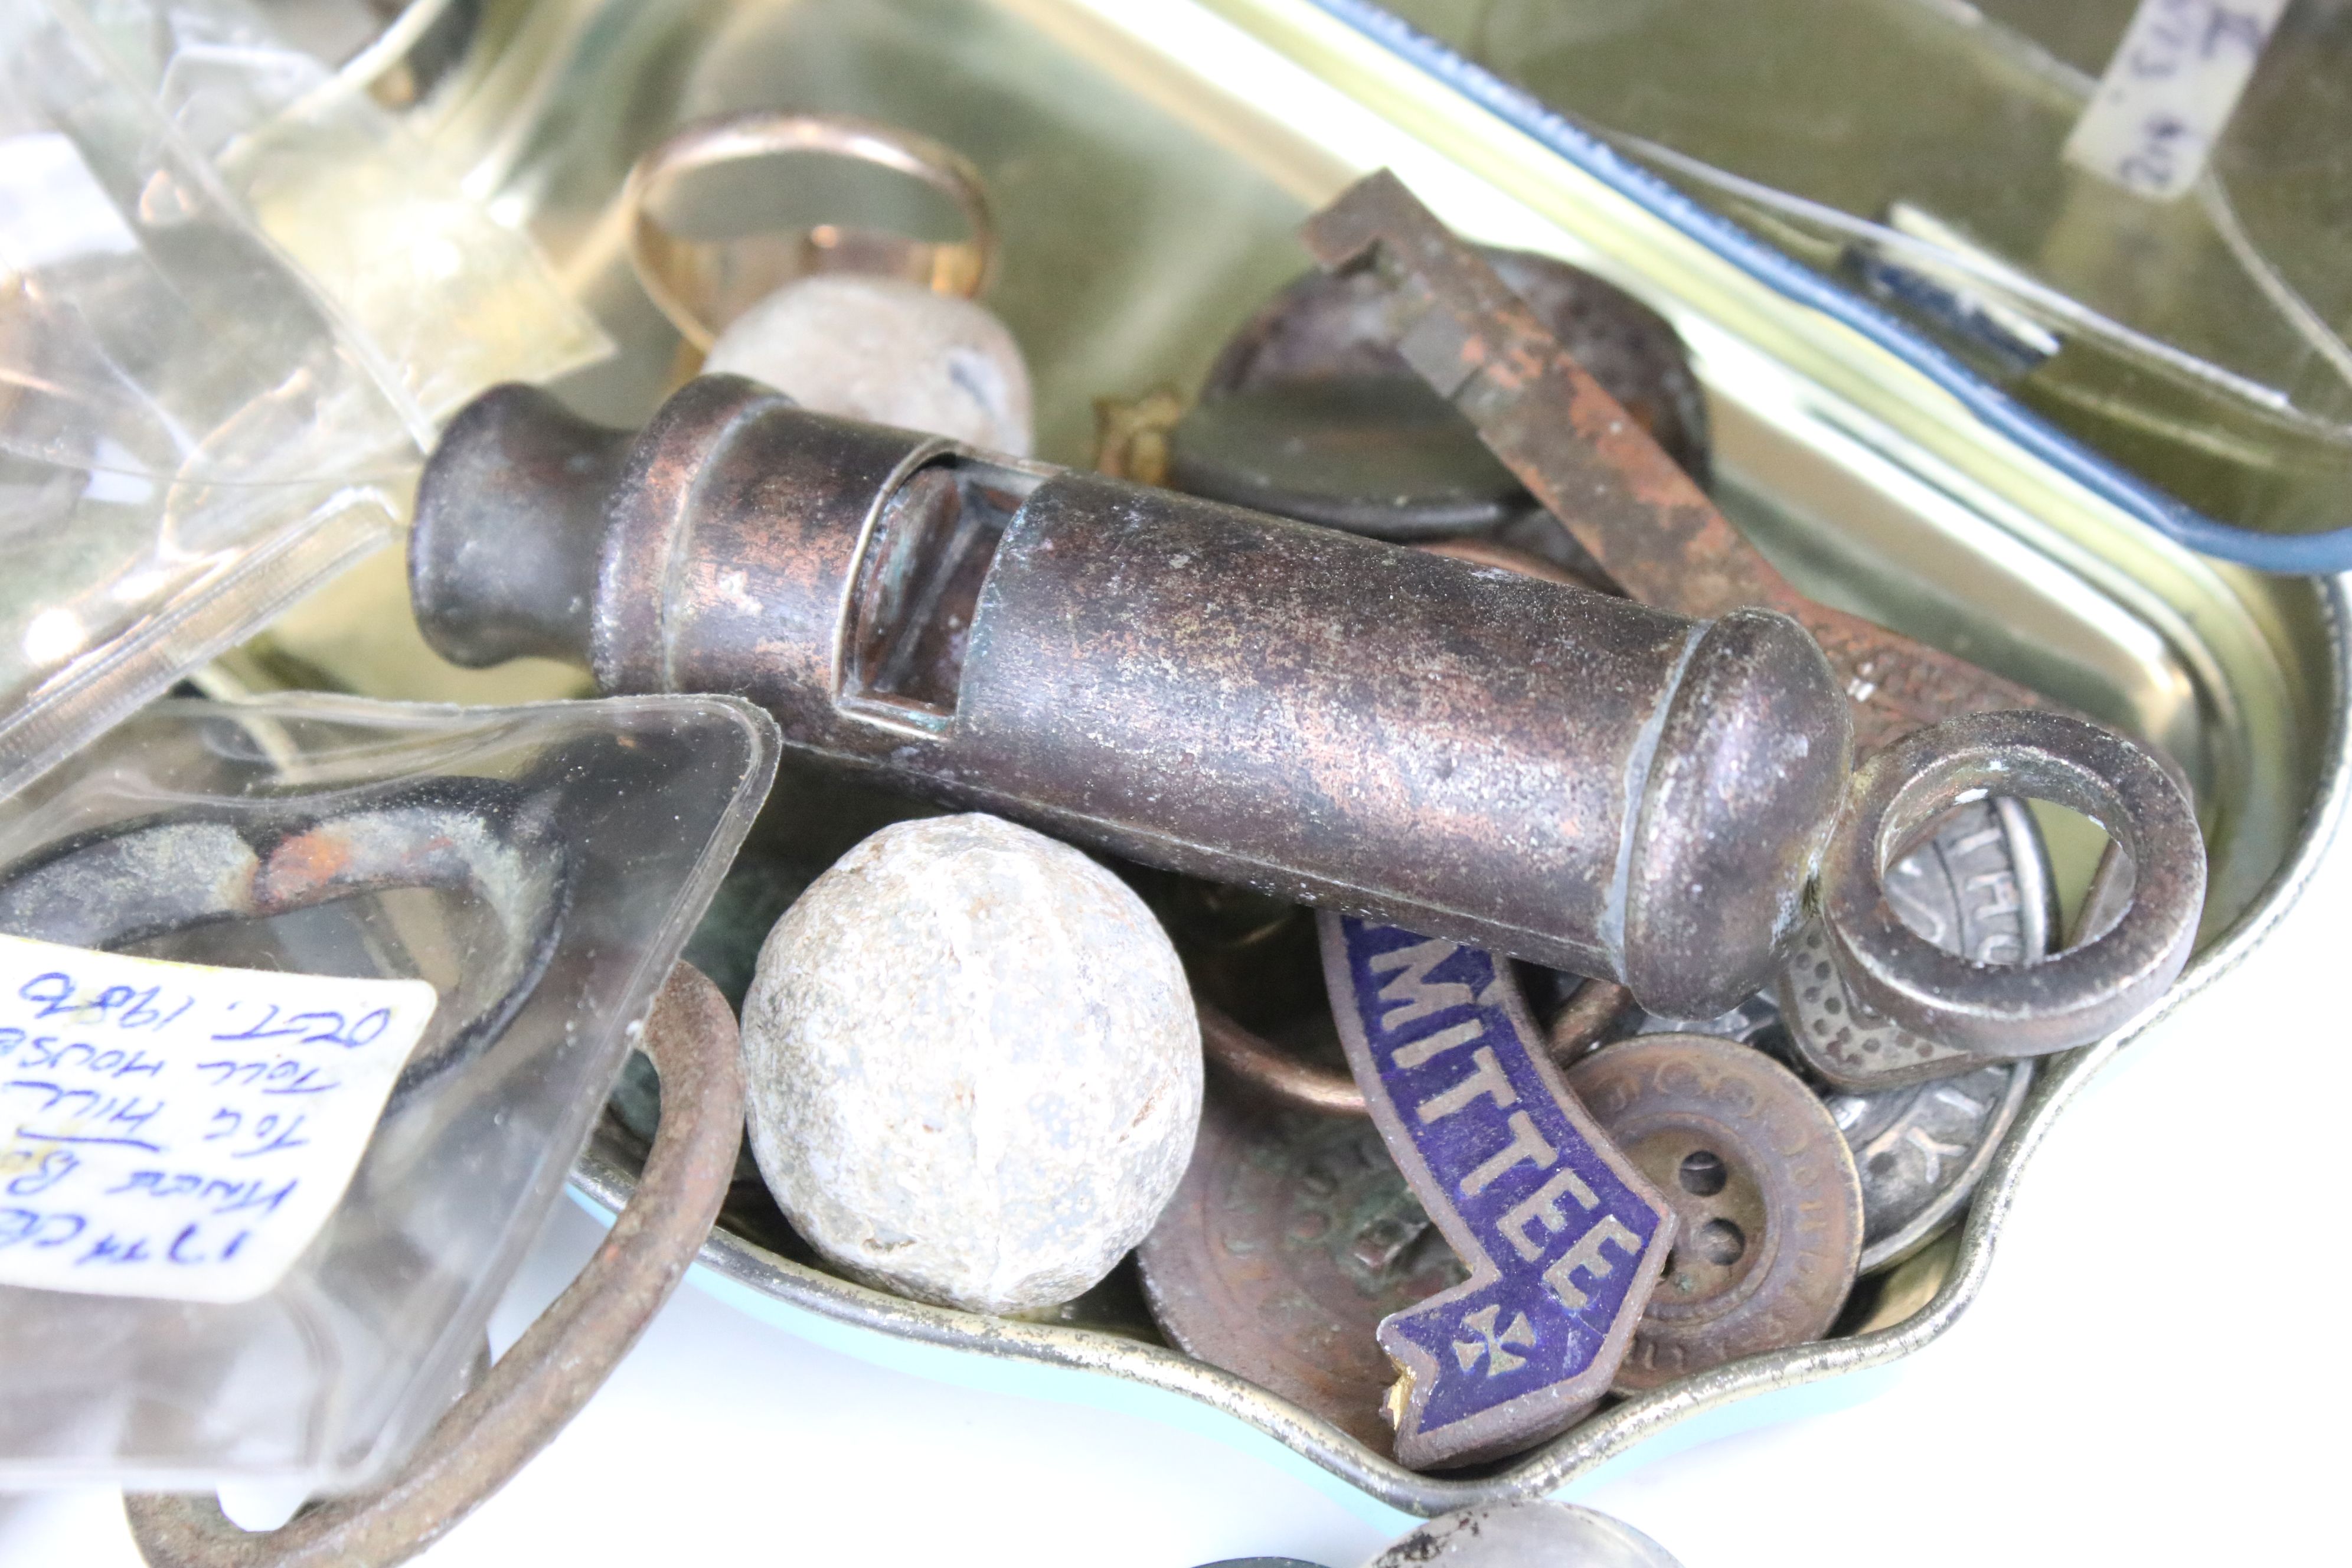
[{"x": 1563, "y": 1238}]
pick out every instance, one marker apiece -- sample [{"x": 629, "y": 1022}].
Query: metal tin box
[{"x": 1149, "y": 160}]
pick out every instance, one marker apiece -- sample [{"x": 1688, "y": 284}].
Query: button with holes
[{"x": 1767, "y": 1195}]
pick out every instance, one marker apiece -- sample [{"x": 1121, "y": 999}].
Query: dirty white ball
[
  {"x": 973, "y": 1065},
  {"x": 886, "y": 351}
]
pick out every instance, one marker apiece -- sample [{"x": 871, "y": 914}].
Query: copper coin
[
  {"x": 1290, "y": 1238},
  {"x": 1760, "y": 1178}
]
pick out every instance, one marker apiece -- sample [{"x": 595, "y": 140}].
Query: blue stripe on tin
[{"x": 2284, "y": 552}]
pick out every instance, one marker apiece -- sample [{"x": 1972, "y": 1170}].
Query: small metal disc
[
  {"x": 1920, "y": 1149},
  {"x": 1311, "y": 413},
  {"x": 1384, "y": 455},
  {"x": 1981, "y": 887},
  {"x": 1329, "y": 326},
  {"x": 1760, "y": 1179},
  {"x": 1290, "y": 1238}
]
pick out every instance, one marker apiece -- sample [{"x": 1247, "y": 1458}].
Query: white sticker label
[
  {"x": 178, "y": 1130},
  {"x": 2170, "y": 91}
]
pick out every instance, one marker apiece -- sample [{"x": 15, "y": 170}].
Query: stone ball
[
  {"x": 973, "y": 1065},
  {"x": 888, "y": 352}
]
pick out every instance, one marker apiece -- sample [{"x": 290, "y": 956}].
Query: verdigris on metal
[{"x": 1562, "y": 1236}]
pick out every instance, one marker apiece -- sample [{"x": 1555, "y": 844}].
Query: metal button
[{"x": 1767, "y": 1199}]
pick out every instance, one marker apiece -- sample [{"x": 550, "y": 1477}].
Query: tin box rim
[
  {"x": 1876, "y": 409},
  {"x": 602, "y": 1178},
  {"x": 1999, "y": 411}
]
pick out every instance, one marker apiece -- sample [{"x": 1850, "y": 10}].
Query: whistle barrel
[{"x": 1555, "y": 773}]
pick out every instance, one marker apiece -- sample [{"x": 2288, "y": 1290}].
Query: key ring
[
  {"x": 2069, "y": 998},
  {"x": 703, "y": 285},
  {"x": 530, "y": 1393}
]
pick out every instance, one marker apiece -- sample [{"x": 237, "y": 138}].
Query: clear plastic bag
[
  {"x": 235, "y": 296},
  {"x": 606, "y": 829}
]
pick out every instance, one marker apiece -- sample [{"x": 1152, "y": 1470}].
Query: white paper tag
[
  {"x": 178, "y": 1130},
  {"x": 2170, "y": 91}
]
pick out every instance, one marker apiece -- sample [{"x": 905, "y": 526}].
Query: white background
[{"x": 2156, "y": 1374}]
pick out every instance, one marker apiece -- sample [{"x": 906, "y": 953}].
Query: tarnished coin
[
  {"x": 1981, "y": 887},
  {"x": 1920, "y": 1149},
  {"x": 1377, "y": 454},
  {"x": 1769, "y": 1202},
  {"x": 1310, "y": 411},
  {"x": 1333, "y": 325},
  {"x": 1290, "y": 1238}
]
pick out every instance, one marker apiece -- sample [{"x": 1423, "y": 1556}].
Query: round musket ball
[
  {"x": 887, "y": 351},
  {"x": 973, "y": 1065}
]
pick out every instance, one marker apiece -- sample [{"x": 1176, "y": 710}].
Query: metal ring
[
  {"x": 1258, "y": 1062},
  {"x": 532, "y": 1391},
  {"x": 701, "y": 287},
  {"x": 2015, "y": 1010},
  {"x": 151, "y": 875},
  {"x": 1251, "y": 1058},
  {"x": 1583, "y": 1019}
]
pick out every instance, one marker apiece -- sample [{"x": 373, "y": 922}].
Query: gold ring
[{"x": 702, "y": 286}]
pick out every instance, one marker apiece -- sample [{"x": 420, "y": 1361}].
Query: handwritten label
[
  {"x": 178, "y": 1130},
  {"x": 2170, "y": 91}
]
